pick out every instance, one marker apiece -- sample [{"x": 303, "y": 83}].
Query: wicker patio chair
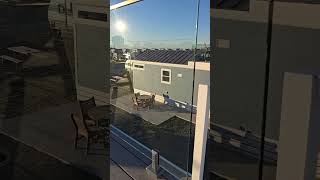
[
  {"x": 85, "y": 106},
  {"x": 92, "y": 134},
  {"x": 152, "y": 101},
  {"x": 137, "y": 103}
]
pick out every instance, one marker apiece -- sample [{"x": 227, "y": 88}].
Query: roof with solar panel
[{"x": 166, "y": 56}]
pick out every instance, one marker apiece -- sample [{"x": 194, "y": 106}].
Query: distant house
[
  {"x": 91, "y": 34},
  {"x": 169, "y": 75}
]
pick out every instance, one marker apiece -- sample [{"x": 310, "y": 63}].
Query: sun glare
[{"x": 121, "y": 26}]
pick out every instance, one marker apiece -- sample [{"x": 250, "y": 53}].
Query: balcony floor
[{"x": 51, "y": 131}]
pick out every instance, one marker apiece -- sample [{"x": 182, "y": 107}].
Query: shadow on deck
[
  {"x": 51, "y": 131},
  {"x": 156, "y": 115}
]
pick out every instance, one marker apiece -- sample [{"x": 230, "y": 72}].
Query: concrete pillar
[{"x": 299, "y": 128}]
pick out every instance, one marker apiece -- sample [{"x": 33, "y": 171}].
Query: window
[
  {"x": 166, "y": 76},
  {"x": 139, "y": 66},
  {"x": 93, "y": 15},
  {"x": 238, "y": 5}
]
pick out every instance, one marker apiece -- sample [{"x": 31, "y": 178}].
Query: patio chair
[
  {"x": 137, "y": 95},
  {"x": 152, "y": 102},
  {"x": 137, "y": 103},
  {"x": 85, "y": 106},
  {"x": 91, "y": 134}
]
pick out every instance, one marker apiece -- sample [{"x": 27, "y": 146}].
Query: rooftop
[{"x": 166, "y": 56}]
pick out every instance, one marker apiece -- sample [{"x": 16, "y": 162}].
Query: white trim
[
  {"x": 170, "y": 76},
  {"x": 298, "y": 127},
  {"x": 123, "y": 4},
  {"x": 204, "y": 66},
  {"x": 201, "y": 132}
]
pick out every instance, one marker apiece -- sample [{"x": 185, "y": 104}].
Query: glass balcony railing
[{"x": 153, "y": 75}]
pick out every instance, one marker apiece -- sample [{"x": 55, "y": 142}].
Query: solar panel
[{"x": 166, "y": 56}]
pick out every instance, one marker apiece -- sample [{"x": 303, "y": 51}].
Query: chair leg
[
  {"x": 105, "y": 142},
  {"x": 88, "y": 145},
  {"x": 76, "y": 142}
]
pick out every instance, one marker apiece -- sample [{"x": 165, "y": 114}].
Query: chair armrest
[
  {"x": 90, "y": 122},
  {"x": 77, "y": 115}
]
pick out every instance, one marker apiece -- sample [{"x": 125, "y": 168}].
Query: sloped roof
[{"x": 166, "y": 56}]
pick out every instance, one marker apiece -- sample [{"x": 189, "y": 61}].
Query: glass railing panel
[
  {"x": 291, "y": 133},
  {"x": 238, "y": 38},
  {"x": 43, "y": 75},
  {"x": 152, "y": 74}
]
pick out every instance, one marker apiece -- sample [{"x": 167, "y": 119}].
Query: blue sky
[{"x": 163, "y": 23}]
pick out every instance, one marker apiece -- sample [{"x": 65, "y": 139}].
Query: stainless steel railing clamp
[{"x": 154, "y": 170}]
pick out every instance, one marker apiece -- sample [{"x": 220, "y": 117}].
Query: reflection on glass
[
  {"x": 152, "y": 71},
  {"x": 240, "y": 50},
  {"x": 244, "y": 89},
  {"x": 39, "y": 93}
]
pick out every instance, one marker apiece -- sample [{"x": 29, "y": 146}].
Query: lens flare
[{"x": 121, "y": 26}]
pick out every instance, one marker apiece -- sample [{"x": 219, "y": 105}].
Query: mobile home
[
  {"x": 91, "y": 43},
  {"x": 165, "y": 73}
]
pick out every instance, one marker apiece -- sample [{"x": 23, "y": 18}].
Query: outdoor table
[
  {"x": 11, "y": 59},
  {"x": 145, "y": 100},
  {"x": 8, "y": 58},
  {"x": 144, "y": 97},
  {"x": 27, "y": 49},
  {"x": 20, "y": 50},
  {"x": 99, "y": 113}
]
